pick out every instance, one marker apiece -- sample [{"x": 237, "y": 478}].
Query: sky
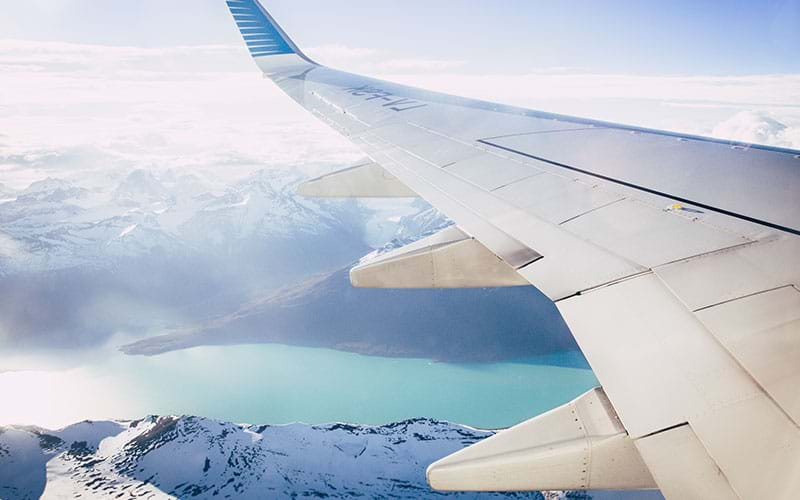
[{"x": 644, "y": 37}]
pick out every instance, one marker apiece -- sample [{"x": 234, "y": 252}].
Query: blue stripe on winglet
[{"x": 263, "y": 37}]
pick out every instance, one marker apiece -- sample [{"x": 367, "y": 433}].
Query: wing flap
[
  {"x": 682, "y": 370},
  {"x": 762, "y": 332},
  {"x": 684, "y": 375},
  {"x": 682, "y": 467}
]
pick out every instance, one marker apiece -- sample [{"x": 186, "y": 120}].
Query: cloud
[
  {"x": 89, "y": 111},
  {"x": 687, "y": 104},
  {"x": 564, "y": 83},
  {"x": 694, "y": 104},
  {"x": 334, "y": 53},
  {"x": 63, "y": 56},
  {"x": 367, "y": 60},
  {"x": 761, "y": 90},
  {"x": 403, "y": 65},
  {"x": 760, "y": 128}
]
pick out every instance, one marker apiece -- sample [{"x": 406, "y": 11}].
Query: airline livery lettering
[{"x": 393, "y": 102}]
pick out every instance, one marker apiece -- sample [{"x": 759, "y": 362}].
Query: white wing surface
[{"x": 674, "y": 259}]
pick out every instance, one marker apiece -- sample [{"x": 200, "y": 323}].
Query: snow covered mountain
[
  {"x": 55, "y": 224},
  {"x": 6, "y": 193},
  {"x": 411, "y": 228},
  {"x": 152, "y": 250},
  {"x": 191, "y": 457}
]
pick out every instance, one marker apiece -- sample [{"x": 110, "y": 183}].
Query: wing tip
[{"x": 261, "y": 33}]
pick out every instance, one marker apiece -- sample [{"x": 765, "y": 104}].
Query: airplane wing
[{"x": 674, "y": 259}]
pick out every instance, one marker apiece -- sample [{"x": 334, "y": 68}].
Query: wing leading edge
[{"x": 674, "y": 259}]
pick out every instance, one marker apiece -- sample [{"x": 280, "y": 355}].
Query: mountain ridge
[
  {"x": 326, "y": 311},
  {"x": 192, "y": 457}
]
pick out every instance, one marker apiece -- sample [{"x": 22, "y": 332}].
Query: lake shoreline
[{"x": 150, "y": 347}]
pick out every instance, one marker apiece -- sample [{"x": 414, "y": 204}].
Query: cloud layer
[
  {"x": 90, "y": 111},
  {"x": 82, "y": 111},
  {"x": 761, "y": 128}
]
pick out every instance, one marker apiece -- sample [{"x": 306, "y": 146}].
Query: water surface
[{"x": 276, "y": 384}]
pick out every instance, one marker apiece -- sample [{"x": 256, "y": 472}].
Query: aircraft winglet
[{"x": 269, "y": 45}]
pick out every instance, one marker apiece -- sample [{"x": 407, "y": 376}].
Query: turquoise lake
[{"x": 277, "y": 384}]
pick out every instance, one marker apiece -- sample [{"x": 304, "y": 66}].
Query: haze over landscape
[{"x": 156, "y": 260}]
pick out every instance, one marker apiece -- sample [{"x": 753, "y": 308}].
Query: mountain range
[
  {"x": 57, "y": 224},
  {"x": 192, "y": 457},
  {"x": 175, "y": 260},
  {"x": 78, "y": 264}
]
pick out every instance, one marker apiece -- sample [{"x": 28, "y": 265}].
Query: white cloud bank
[
  {"x": 760, "y": 128},
  {"x": 365, "y": 60},
  {"x": 89, "y": 111}
]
